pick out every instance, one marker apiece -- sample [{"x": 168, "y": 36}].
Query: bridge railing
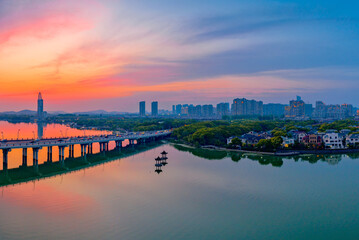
[{"x": 81, "y": 139}]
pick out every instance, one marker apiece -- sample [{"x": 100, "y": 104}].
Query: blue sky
[{"x": 179, "y": 52}]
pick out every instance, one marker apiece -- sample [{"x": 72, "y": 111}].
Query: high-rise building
[
  {"x": 173, "y": 109},
  {"x": 322, "y": 111},
  {"x": 222, "y": 109},
  {"x": 308, "y": 110},
  {"x": 143, "y": 108},
  {"x": 191, "y": 110},
  {"x": 346, "y": 110},
  {"x": 154, "y": 108},
  {"x": 207, "y": 110},
  {"x": 296, "y": 109},
  {"x": 247, "y": 107},
  {"x": 178, "y": 109},
  {"x": 40, "y": 108},
  {"x": 274, "y": 109}
]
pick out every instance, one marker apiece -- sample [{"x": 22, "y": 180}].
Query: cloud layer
[{"x": 114, "y": 53}]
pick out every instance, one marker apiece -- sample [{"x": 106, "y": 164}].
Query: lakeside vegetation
[
  {"x": 274, "y": 161},
  {"x": 118, "y": 123},
  {"x": 216, "y": 132}
]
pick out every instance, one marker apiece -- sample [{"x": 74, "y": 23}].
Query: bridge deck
[{"x": 39, "y": 143}]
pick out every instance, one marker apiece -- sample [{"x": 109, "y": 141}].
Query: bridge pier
[
  {"x": 118, "y": 145},
  {"x": 90, "y": 151},
  {"x": 49, "y": 154},
  {"x": 24, "y": 157},
  {"x": 35, "y": 157},
  {"x": 5, "y": 157},
  {"x": 71, "y": 151},
  {"x": 101, "y": 147},
  {"x": 61, "y": 154},
  {"x": 83, "y": 149}
]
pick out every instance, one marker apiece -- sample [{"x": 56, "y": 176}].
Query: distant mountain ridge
[
  {"x": 101, "y": 112},
  {"x": 33, "y": 113},
  {"x": 22, "y": 112}
]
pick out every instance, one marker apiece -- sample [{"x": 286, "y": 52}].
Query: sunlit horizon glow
[{"x": 111, "y": 54}]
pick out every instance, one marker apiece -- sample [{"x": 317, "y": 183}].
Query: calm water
[{"x": 199, "y": 195}]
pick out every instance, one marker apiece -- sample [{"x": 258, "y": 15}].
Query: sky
[{"x": 110, "y": 54}]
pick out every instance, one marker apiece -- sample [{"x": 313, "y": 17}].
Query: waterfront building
[
  {"x": 154, "y": 108},
  {"x": 333, "y": 141},
  {"x": 229, "y": 140},
  {"x": 40, "y": 108},
  {"x": 143, "y": 108},
  {"x": 352, "y": 139},
  {"x": 345, "y": 131},
  {"x": 298, "y": 135},
  {"x": 287, "y": 141},
  {"x": 243, "y": 107},
  {"x": 313, "y": 140},
  {"x": 250, "y": 139}
]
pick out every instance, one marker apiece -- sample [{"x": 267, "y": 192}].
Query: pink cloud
[{"x": 37, "y": 19}]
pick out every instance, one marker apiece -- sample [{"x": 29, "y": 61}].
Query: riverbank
[{"x": 281, "y": 153}]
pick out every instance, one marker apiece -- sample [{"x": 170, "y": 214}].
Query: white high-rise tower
[{"x": 40, "y": 108}]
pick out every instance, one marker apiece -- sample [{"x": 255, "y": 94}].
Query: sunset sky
[{"x": 110, "y": 54}]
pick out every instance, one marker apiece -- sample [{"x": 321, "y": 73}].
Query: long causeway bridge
[{"x": 86, "y": 143}]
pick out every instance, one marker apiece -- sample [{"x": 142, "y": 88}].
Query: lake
[{"x": 200, "y": 194}]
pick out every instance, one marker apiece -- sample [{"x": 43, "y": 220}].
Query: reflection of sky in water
[{"x": 193, "y": 198}]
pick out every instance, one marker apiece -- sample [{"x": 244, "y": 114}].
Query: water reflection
[
  {"x": 40, "y": 129},
  {"x": 161, "y": 162},
  {"x": 25, "y": 173},
  {"x": 158, "y": 165},
  {"x": 275, "y": 161},
  {"x": 125, "y": 199},
  {"x": 203, "y": 153}
]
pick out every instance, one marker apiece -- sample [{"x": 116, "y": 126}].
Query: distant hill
[
  {"x": 100, "y": 112},
  {"x": 57, "y": 112},
  {"x": 34, "y": 113},
  {"x": 22, "y": 112}
]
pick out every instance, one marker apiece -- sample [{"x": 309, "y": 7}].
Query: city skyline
[
  {"x": 107, "y": 54},
  {"x": 256, "y": 107}
]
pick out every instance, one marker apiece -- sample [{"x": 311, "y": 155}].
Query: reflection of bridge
[
  {"x": 86, "y": 144},
  {"x": 46, "y": 169}
]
